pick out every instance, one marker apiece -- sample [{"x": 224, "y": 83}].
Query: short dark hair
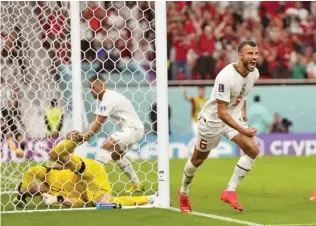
[
  {"x": 246, "y": 43},
  {"x": 201, "y": 87},
  {"x": 96, "y": 77},
  {"x": 257, "y": 98}
]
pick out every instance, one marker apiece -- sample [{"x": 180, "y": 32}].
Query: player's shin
[
  {"x": 127, "y": 167},
  {"x": 242, "y": 167},
  {"x": 188, "y": 174}
]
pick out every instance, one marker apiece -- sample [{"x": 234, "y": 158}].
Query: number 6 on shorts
[{"x": 203, "y": 144}]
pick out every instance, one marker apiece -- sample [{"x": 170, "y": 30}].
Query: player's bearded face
[
  {"x": 250, "y": 65},
  {"x": 250, "y": 57}
]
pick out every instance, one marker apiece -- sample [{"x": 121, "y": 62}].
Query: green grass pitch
[{"x": 276, "y": 191}]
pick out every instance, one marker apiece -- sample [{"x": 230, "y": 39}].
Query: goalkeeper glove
[
  {"x": 79, "y": 137},
  {"x": 51, "y": 199},
  {"x": 87, "y": 136}
]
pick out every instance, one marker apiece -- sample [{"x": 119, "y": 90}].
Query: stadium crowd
[
  {"x": 119, "y": 32},
  {"x": 203, "y": 36},
  {"x": 112, "y": 33}
]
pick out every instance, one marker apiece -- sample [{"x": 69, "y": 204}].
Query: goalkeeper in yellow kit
[{"x": 77, "y": 182}]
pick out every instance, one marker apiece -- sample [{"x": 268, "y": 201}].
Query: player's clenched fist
[{"x": 249, "y": 132}]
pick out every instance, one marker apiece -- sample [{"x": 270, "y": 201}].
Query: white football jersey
[
  {"x": 119, "y": 109},
  {"x": 229, "y": 87}
]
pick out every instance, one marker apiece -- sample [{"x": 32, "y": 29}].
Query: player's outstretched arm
[
  {"x": 94, "y": 126},
  {"x": 62, "y": 154},
  {"x": 13, "y": 147},
  {"x": 185, "y": 94}
]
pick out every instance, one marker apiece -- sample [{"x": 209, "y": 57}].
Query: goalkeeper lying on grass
[{"x": 79, "y": 181}]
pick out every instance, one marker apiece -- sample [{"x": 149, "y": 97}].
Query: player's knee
[
  {"x": 106, "y": 146},
  {"x": 115, "y": 156},
  {"x": 198, "y": 160},
  {"x": 253, "y": 150},
  {"x": 110, "y": 145}
]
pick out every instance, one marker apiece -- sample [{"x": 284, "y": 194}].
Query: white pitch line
[
  {"x": 71, "y": 209},
  {"x": 227, "y": 219},
  {"x": 44, "y": 210},
  {"x": 310, "y": 224},
  {"x": 212, "y": 216}
]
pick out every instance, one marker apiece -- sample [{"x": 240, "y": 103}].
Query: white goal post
[
  {"x": 70, "y": 89},
  {"x": 162, "y": 105}
]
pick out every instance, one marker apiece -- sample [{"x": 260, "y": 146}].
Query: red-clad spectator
[
  {"x": 63, "y": 51},
  {"x": 189, "y": 26},
  {"x": 53, "y": 24},
  {"x": 96, "y": 16},
  {"x": 207, "y": 42},
  {"x": 221, "y": 62},
  {"x": 181, "y": 45},
  {"x": 285, "y": 47},
  {"x": 181, "y": 5},
  {"x": 309, "y": 28},
  {"x": 194, "y": 52},
  {"x": 205, "y": 67},
  {"x": 209, "y": 8},
  {"x": 124, "y": 43},
  {"x": 270, "y": 8}
]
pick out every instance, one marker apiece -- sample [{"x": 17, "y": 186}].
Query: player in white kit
[
  {"x": 117, "y": 107},
  {"x": 225, "y": 114}
]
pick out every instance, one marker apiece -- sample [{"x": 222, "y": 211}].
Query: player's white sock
[
  {"x": 188, "y": 174},
  {"x": 242, "y": 167},
  {"x": 128, "y": 169},
  {"x": 103, "y": 156}
]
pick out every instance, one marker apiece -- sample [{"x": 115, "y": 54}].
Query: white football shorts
[
  {"x": 127, "y": 136},
  {"x": 209, "y": 134},
  {"x": 194, "y": 128}
]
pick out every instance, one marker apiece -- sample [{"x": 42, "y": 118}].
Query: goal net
[{"x": 46, "y": 51}]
